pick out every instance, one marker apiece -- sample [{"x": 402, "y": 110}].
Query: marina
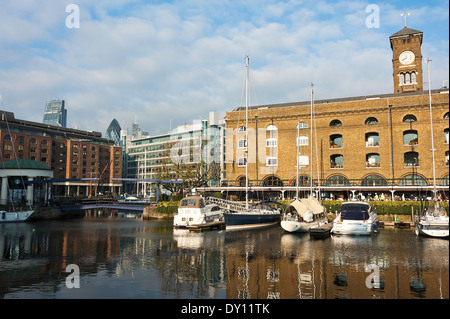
[{"x": 132, "y": 258}]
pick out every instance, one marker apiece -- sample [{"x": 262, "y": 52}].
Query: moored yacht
[
  {"x": 15, "y": 217},
  {"x": 355, "y": 218},
  {"x": 435, "y": 223},
  {"x": 303, "y": 214},
  {"x": 193, "y": 210}
]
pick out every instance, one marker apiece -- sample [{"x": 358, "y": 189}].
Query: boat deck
[{"x": 322, "y": 231}]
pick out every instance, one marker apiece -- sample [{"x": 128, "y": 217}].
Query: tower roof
[{"x": 405, "y": 32}]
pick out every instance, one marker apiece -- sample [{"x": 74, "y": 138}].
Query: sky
[{"x": 168, "y": 63}]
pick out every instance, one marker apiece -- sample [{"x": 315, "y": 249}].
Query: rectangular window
[
  {"x": 242, "y": 143},
  {"x": 271, "y": 142},
  {"x": 302, "y": 141},
  {"x": 242, "y": 161},
  {"x": 271, "y": 161}
]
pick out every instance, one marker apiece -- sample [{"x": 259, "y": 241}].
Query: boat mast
[
  {"x": 432, "y": 138},
  {"x": 246, "y": 129},
  {"x": 311, "y": 148},
  {"x": 298, "y": 155}
]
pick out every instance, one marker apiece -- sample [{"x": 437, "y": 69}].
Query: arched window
[
  {"x": 413, "y": 179},
  {"x": 337, "y": 161},
  {"x": 271, "y": 127},
  {"x": 407, "y": 78},
  {"x": 272, "y": 180},
  {"x": 444, "y": 181},
  {"x": 372, "y": 139},
  {"x": 336, "y": 141},
  {"x": 410, "y": 137},
  {"x": 411, "y": 159},
  {"x": 446, "y": 116},
  {"x": 241, "y": 181},
  {"x": 409, "y": 118},
  {"x": 413, "y": 77},
  {"x": 371, "y": 120},
  {"x": 374, "y": 180},
  {"x": 446, "y": 136},
  {"x": 302, "y": 125},
  {"x": 242, "y": 129},
  {"x": 372, "y": 160},
  {"x": 337, "y": 180},
  {"x": 401, "y": 78},
  {"x": 335, "y": 123}
]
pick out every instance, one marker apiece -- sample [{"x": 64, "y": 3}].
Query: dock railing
[{"x": 225, "y": 203}]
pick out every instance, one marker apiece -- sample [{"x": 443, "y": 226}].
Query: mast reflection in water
[{"x": 129, "y": 258}]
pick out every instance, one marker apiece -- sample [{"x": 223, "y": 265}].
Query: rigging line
[{"x": 13, "y": 147}]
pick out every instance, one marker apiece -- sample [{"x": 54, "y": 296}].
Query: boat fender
[
  {"x": 308, "y": 216},
  {"x": 3, "y": 215}
]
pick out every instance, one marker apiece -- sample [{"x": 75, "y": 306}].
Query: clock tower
[{"x": 407, "y": 60}]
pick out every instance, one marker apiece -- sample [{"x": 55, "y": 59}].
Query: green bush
[
  {"x": 382, "y": 207},
  {"x": 167, "y": 207}
]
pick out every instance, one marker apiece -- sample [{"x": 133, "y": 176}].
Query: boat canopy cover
[
  {"x": 192, "y": 202},
  {"x": 355, "y": 211},
  {"x": 305, "y": 204}
]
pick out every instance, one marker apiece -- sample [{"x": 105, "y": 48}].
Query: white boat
[
  {"x": 193, "y": 210},
  {"x": 434, "y": 223},
  {"x": 15, "y": 217},
  {"x": 303, "y": 214},
  {"x": 355, "y": 218}
]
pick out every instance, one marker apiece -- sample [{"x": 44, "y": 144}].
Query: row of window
[
  {"x": 407, "y": 78},
  {"x": 410, "y": 137},
  {"x": 410, "y": 159},
  {"x": 369, "y": 121},
  {"x": 340, "y": 180}
]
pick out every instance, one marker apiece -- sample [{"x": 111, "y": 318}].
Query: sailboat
[
  {"x": 303, "y": 214},
  {"x": 435, "y": 222},
  {"x": 261, "y": 214}
]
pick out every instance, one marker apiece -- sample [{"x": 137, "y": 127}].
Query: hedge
[
  {"x": 384, "y": 207},
  {"x": 167, "y": 207}
]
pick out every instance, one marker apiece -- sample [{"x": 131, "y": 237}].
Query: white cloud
[{"x": 176, "y": 62}]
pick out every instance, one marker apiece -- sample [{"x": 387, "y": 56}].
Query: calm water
[{"x": 122, "y": 257}]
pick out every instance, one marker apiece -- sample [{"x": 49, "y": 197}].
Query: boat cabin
[
  {"x": 192, "y": 202},
  {"x": 355, "y": 211}
]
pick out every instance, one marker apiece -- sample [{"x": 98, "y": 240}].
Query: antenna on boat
[{"x": 246, "y": 129}]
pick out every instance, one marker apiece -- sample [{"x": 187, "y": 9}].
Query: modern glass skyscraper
[
  {"x": 113, "y": 132},
  {"x": 55, "y": 113}
]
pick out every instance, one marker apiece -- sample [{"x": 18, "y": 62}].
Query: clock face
[{"x": 406, "y": 57}]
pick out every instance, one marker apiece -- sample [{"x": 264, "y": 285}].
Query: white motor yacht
[
  {"x": 193, "y": 210},
  {"x": 355, "y": 218}
]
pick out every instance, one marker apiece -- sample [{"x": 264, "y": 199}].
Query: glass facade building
[
  {"x": 113, "y": 132},
  {"x": 55, "y": 113}
]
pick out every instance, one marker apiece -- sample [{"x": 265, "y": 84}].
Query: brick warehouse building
[
  {"x": 71, "y": 154},
  {"x": 365, "y": 144}
]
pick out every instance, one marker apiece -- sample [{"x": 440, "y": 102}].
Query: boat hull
[
  {"x": 15, "y": 217},
  {"x": 297, "y": 227},
  {"x": 185, "y": 220},
  {"x": 250, "y": 220},
  {"x": 353, "y": 228},
  {"x": 435, "y": 231}
]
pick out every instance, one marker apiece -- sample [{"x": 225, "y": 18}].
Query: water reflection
[{"x": 122, "y": 257}]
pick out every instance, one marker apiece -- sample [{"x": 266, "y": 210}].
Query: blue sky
[{"x": 173, "y": 62}]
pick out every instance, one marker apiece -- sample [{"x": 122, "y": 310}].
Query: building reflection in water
[{"x": 123, "y": 258}]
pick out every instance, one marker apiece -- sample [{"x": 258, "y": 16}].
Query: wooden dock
[
  {"x": 207, "y": 226},
  {"x": 322, "y": 231}
]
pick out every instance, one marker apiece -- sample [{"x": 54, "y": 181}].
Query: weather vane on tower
[{"x": 405, "y": 14}]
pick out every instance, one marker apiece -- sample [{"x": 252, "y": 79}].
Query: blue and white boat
[
  {"x": 355, "y": 218},
  {"x": 261, "y": 215},
  {"x": 15, "y": 217}
]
